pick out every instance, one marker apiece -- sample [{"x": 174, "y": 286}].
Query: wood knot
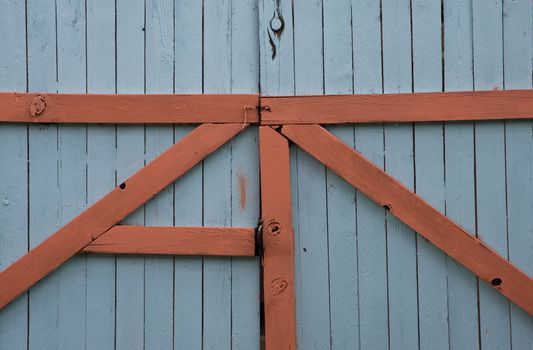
[
  {"x": 37, "y": 106},
  {"x": 273, "y": 228},
  {"x": 278, "y": 286}
]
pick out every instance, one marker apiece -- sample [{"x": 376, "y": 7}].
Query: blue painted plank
[
  {"x": 429, "y": 153},
  {"x": 159, "y": 270},
  {"x": 72, "y": 177},
  {"x": 130, "y": 282},
  {"x": 276, "y": 47},
  {"x": 459, "y": 170},
  {"x": 101, "y": 171},
  {"x": 340, "y": 196},
  {"x": 276, "y": 39},
  {"x": 13, "y": 171},
  {"x": 245, "y": 274},
  {"x": 490, "y": 169},
  {"x": 518, "y": 58},
  {"x": 401, "y": 241},
  {"x": 44, "y": 200},
  {"x": 312, "y": 278},
  {"x": 371, "y": 234},
  {"x": 188, "y": 275},
  {"x": 217, "y": 179}
]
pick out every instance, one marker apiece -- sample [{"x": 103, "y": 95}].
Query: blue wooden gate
[{"x": 364, "y": 280}]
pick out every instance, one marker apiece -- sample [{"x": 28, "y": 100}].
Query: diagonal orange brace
[
  {"x": 278, "y": 241},
  {"x": 469, "y": 251},
  {"x": 112, "y": 208},
  {"x": 205, "y": 241}
]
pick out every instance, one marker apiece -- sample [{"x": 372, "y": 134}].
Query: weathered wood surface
[
  {"x": 397, "y": 281},
  {"x": 105, "y": 47}
]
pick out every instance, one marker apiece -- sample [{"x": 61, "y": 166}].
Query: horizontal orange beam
[
  {"x": 130, "y": 109},
  {"x": 407, "y": 206},
  {"x": 216, "y": 241},
  {"x": 411, "y": 107}
]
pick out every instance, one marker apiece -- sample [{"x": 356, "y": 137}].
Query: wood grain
[
  {"x": 128, "y": 108},
  {"x": 417, "y": 107},
  {"x": 471, "y": 252},
  {"x": 216, "y": 241},
  {"x": 278, "y": 241},
  {"x": 112, "y": 208}
]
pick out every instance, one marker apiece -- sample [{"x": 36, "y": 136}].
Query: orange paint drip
[{"x": 242, "y": 189}]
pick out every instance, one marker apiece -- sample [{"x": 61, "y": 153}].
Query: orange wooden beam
[
  {"x": 132, "y": 109},
  {"x": 216, "y": 241},
  {"x": 411, "y": 107},
  {"x": 112, "y": 208},
  {"x": 278, "y": 241},
  {"x": 469, "y": 251}
]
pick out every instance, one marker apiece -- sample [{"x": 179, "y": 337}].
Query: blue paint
[
  {"x": 13, "y": 172},
  {"x": 101, "y": 171},
  {"x": 159, "y": 270},
  {"x": 429, "y": 173},
  {"x": 399, "y": 162}
]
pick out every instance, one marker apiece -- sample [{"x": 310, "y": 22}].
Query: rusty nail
[
  {"x": 273, "y": 228},
  {"x": 278, "y": 285},
  {"x": 37, "y": 106}
]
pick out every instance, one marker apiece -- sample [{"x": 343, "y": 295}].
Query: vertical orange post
[{"x": 278, "y": 241}]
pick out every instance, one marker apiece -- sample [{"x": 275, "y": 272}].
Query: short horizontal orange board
[
  {"x": 128, "y": 109},
  {"x": 217, "y": 241},
  {"x": 417, "y": 107}
]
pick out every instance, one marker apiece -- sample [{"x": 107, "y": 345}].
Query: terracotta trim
[
  {"x": 278, "y": 241},
  {"x": 216, "y": 241},
  {"x": 131, "y": 109},
  {"x": 397, "y": 108}
]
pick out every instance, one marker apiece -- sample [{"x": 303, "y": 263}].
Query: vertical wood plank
[
  {"x": 188, "y": 195},
  {"x": 245, "y": 203},
  {"x": 101, "y": 171},
  {"x": 340, "y": 196},
  {"x": 490, "y": 169},
  {"x": 459, "y": 170},
  {"x": 518, "y": 58},
  {"x": 371, "y": 234},
  {"x": 217, "y": 179},
  {"x": 276, "y": 39},
  {"x": 72, "y": 176},
  {"x": 278, "y": 241},
  {"x": 130, "y": 283},
  {"x": 429, "y": 174},
  {"x": 159, "y": 270},
  {"x": 312, "y": 272},
  {"x": 401, "y": 241},
  {"x": 44, "y": 201},
  {"x": 13, "y": 171}
]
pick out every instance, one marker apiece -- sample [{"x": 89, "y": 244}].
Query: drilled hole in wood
[
  {"x": 122, "y": 186},
  {"x": 387, "y": 207},
  {"x": 496, "y": 282}
]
